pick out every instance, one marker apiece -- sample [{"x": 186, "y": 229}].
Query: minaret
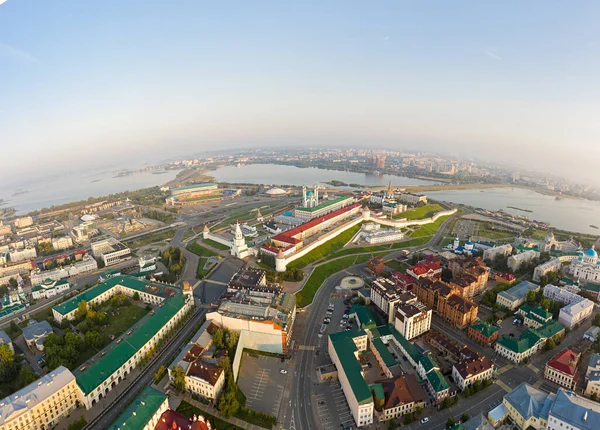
[
  {"x": 304, "y": 202},
  {"x": 316, "y": 195}
]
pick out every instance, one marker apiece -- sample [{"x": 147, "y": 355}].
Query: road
[{"x": 302, "y": 415}]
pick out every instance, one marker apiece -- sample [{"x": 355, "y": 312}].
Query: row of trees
[
  {"x": 12, "y": 371},
  {"x": 159, "y": 216},
  {"x": 174, "y": 259}
]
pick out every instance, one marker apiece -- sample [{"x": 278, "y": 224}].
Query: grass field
[
  {"x": 326, "y": 249},
  {"x": 396, "y": 265},
  {"x": 218, "y": 424},
  {"x": 426, "y": 211},
  {"x": 429, "y": 229},
  {"x": 487, "y": 230},
  {"x": 127, "y": 316},
  {"x": 200, "y": 250},
  {"x": 305, "y": 296},
  {"x": 215, "y": 244},
  {"x": 150, "y": 238},
  {"x": 201, "y": 272}
]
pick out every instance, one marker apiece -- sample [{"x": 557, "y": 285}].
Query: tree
[
  {"x": 550, "y": 344},
  {"x": 594, "y": 397},
  {"x": 78, "y": 425},
  {"x": 94, "y": 339},
  {"x": 26, "y": 376},
  {"x": 72, "y": 340},
  {"x": 13, "y": 282},
  {"x": 418, "y": 411},
  {"x": 228, "y": 402},
  {"x": 450, "y": 422},
  {"x": 81, "y": 309},
  {"x": 159, "y": 374},
  {"x": 597, "y": 319},
  {"x": 531, "y": 297},
  {"x": 218, "y": 339},
  {"x": 179, "y": 379},
  {"x": 7, "y": 355},
  {"x": 464, "y": 417},
  {"x": 14, "y": 328},
  {"x": 136, "y": 296},
  {"x": 545, "y": 303}
]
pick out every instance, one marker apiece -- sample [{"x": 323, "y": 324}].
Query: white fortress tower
[
  {"x": 239, "y": 248},
  {"x": 280, "y": 265},
  {"x": 205, "y": 232}
]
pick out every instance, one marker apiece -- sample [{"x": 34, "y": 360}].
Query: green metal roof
[
  {"x": 326, "y": 204},
  {"x": 536, "y": 313},
  {"x": 139, "y": 413},
  {"x": 382, "y": 330},
  {"x": 385, "y": 354},
  {"x": 345, "y": 349},
  {"x": 515, "y": 345},
  {"x": 486, "y": 329},
  {"x": 367, "y": 317},
  {"x": 92, "y": 293},
  {"x": 595, "y": 288},
  {"x": 377, "y": 389},
  {"x": 437, "y": 381},
  {"x": 118, "y": 355},
  {"x": 549, "y": 329},
  {"x": 428, "y": 363},
  {"x": 189, "y": 187},
  {"x": 408, "y": 347}
]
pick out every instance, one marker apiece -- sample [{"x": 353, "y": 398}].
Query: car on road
[
  {"x": 404, "y": 358},
  {"x": 320, "y": 335},
  {"x": 283, "y": 371},
  {"x": 424, "y": 420}
]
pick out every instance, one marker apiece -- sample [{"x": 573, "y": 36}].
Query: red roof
[
  {"x": 289, "y": 236},
  {"x": 80, "y": 251},
  {"x": 424, "y": 268},
  {"x": 274, "y": 249},
  {"x": 565, "y": 361},
  {"x": 507, "y": 276},
  {"x": 171, "y": 420},
  {"x": 402, "y": 278}
]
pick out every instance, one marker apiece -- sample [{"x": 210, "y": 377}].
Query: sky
[{"x": 87, "y": 83}]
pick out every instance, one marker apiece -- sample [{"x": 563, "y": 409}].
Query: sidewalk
[{"x": 212, "y": 411}]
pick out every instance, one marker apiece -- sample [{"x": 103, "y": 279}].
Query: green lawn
[
  {"x": 305, "y": 296},
  {"x": 326, "y": 249},
  {"x": 43, "y": 315},
  {"x": 429, "y": 229},
  {"x": 124, "y": 318},
  {"x": 488, "y": 230},
  {"x": 150, "y": 238},
  {"x": 426, "y": 211},
  {"x": 216, "y": 423},
  {"x": 215, "y": 244},
  {"x": 201, "y": 272},
  {"x": 200, "y": 250},
  {"x": 396, "y": 265}
]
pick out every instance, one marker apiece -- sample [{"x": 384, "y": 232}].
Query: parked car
[
  {"x": 424, "y": 420},
  {"x": 283, "y": 371}
]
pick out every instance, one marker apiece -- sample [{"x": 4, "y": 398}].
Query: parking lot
[
  {"x": 332, "y": 408},
  {"x": 262, "y": 382}
]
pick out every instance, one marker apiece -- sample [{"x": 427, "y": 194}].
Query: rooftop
[
  {"x": 346, "y": 349},
  {"x": 529, "y": 401},
  {"x": 565, "y": 361},
  {"x": 484, "y": 328},
  {"x": 471, "y": 368},
  {"x": 577, "y": 411},
  {"x": 402, "y": 390},
  {"x": 519, "y": 291},
  {"x": 139, "y": 413},
  {"x": 325, "y": 204}
]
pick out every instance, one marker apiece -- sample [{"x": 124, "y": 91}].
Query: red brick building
[{"x": 483, "y": 333}]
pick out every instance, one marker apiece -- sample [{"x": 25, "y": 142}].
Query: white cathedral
[{"x": 586, "y": 267}]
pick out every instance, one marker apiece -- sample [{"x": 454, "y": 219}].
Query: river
[
  {"x": 567, "y": 214},
  {"x": 28, "y": 195},
  {"x": 275, "y": 174}
]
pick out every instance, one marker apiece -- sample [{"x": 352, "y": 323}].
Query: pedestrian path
[
  {"x": 504, "y": 369},
  {"x": 532, "y": 367},
  {"x": 212, "y": 411},
  {"x": 503, "y": 386}
]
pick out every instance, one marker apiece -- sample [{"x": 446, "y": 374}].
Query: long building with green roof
[
  {"x": 531, "y": 341},
  {"x": 144, "y": 412},
  {"x": 108, "y": 368},
  {"x": 344, "y": 349}
]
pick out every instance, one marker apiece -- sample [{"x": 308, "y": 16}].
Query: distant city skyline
[{"x": 97, "y": 84}]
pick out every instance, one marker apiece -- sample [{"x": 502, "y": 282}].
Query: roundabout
[{"x": 351, "y": 283}]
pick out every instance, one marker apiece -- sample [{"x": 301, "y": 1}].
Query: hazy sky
[{"x": 94, "y": 81}]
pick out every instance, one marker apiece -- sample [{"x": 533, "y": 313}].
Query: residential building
[
  {"x": 570, "y": 411},
  {"x": 446, "y": 301},
  {"x": 111, "y": 251},
  {"x": 144, "y": 413},
  {"x": 266, "y": 321},
  {"x": 592, "y": 334},
  {"x": 516, "y": 261},
  {"x": 452, "y": 351},
  {"x": 18, "y": 255},
  {"x": 490, "y": 254},
  {"x": 344, "y": 349},
  {"x": 49, "y": 288},
  {"x": 516, "y": 296},
  {"x": 593, "y": 364},
  {"x": 575, "y": 313},
  {"x": 5, "y": 339},
  {"x": 483, "y": 333},
  {"x": 204, "y": 376},
  {"x": 376, "y": 265},
  {"x": 426, "y": 269},
  {"x": 562, "y": 295},
  {"x": 474, "y": 270},
  {"x": 467, "y": 285},
  {"x": 459, "y": 311},
  {"x": 403, "y": 281},
  {"x": 35, "y": 333},
  {"x": 562, "y": 369},
  {"x": 593, "y": 384},
  {"x": 466, "y": 373},
  {"x": 171, "y": 420},
  {"x": 553, "y": 265},
  {"x": 386, "y": 295},
  {"x": 412, "y": 319},
  {"x": 402, "y": 396},
  {"x": 86, "y": 265},
  {"x": 531, "y": 341},
  {"x": 41, "y": 404},
  {"x": 62, "y": 242},
  {"x": 528, "y": 406},
  {"x": 534, "y": 316}
]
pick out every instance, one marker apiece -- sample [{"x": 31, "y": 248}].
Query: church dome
[{"x": 591, "y": 253}]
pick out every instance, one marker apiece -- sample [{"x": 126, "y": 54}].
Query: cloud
[
  {"x": 492, "y": 54},
  {"x": 12, "y": 53},
  {"x": 2, "y": 1}
]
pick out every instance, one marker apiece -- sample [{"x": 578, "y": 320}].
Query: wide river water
[
  {"x": 29, "y": 195},
  {"x": 275, "y": 174},
  {"x": 567, "y": 214}
]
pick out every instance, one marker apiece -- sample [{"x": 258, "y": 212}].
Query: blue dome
[
  {"x": 469, "y": 242},
  {"x": 591, "y": 253},
  {"x": 310, "y": 193}
]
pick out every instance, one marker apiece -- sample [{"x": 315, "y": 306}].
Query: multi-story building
[
  {"x": 576, "y": 312},
  {"x": 562, "y": 369},
  {"x": 254, "y": 280},
  {"x": 483, "y": 333},
  {"x": 531, "y": 341},
  {"x": 411, "y": 199},
  {"x": 86, "y": 265},
  {"x": 527, "y": 407},
  {"x": 553, "y": 265},
  {"x": 516, "y": 261},
  {"x": 18, "y": 255},
  {"x": 386, "y": 295},
  {"x": 467, "y": 285},
  {"x": 327, "y": 206},
  {"x": 84, "y": 231},
  {"x": 402, "y": 396},
  {"x": 446, "y": 301},
  {"x": 403, "y": 281},
  {"x": 459, "y": 311},
  {"x": 490, "y": 254},
  {"x": 266, "y": 321},
  {"x": 534, "y": 316},
  {"x": 60, "y": 243},
  {"x": 111, "y": 251},
  {"x": 23, "y": 222},
  {"x": 204, "y": 376},
  {"x": 452, "y": 351},
  {"x": 467, "y": 372},
  {"x": 412, "y": 319},
  {"x": 41, "y": 404},
  {"x": 471, "y": 267},
  {"x": 562, "y": 295},
  {"x": 49, "y": 288},
  {"x": 427, "y": 269},
  {"x": 516, "y": 296},
  {"x": 145, "y": 412},
  {"x": 344, "y": 349},
  {"x": 585, "y": 268},
  {"x": 372, "y": 233},
  {"x": 35, "y": 333},
  {"x": 592, "y": 376}
]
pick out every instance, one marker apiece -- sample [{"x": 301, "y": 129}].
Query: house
[
  {"x": 427, "y": 269},
  {"x": 531, "y": 341},
  {"x": 483, "y": 333},
  {"x": 575, "y": 313},
  {"x": 402, "y": 396},
  {"x": 592, "y": 334},
  {"x": 534, "y": 316},
  {"x": 562, "y": 369},
  {"x": 466, "y": 373},
  {"x": 516, "y": 296}
]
